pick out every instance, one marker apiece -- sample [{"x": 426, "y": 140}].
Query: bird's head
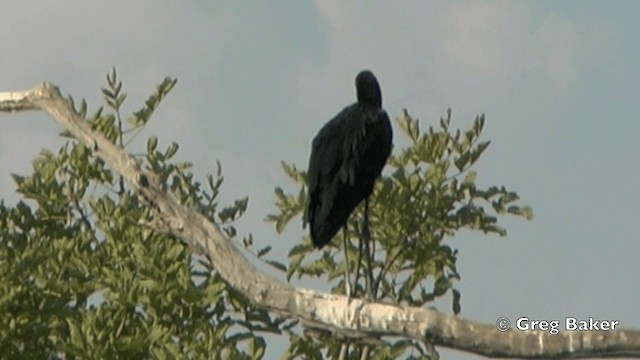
[{"x": 368, "y": 89}]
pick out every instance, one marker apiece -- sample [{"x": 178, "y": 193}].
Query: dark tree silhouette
[{"x": 347, "y": 156}]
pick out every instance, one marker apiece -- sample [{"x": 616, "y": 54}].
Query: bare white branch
[{"x": 353, "y": 318}]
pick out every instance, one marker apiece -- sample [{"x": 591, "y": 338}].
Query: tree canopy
[{"x": 93, "y": 268}]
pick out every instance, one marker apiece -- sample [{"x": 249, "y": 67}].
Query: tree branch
[{"x": 317, "y": 310}]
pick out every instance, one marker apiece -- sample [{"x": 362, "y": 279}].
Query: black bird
[{"x": 347, "y": 156}]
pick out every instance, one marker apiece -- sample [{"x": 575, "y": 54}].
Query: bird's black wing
[
  {"x": 347, "y": 156},
  {"x": 326, "y": 159}
]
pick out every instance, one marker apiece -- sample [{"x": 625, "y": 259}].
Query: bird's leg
[
  {"x": 347, "y": 283},
  {"x": 358, "y": 264},
  {"x": 374, "y": 285},
  {"x": 366, "y": 237}
]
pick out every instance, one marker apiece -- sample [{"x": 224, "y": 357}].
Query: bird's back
[{"x": 347, "y": 156}]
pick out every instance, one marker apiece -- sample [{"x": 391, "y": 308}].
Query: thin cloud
[{"x": 474, "y": 53}]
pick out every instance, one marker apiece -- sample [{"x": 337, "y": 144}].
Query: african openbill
[{"x": 347, "y": 156}]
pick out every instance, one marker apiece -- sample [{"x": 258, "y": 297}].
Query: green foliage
[
  {"x": 82, "y": 279},
  {"x": 429, "y": 192}
]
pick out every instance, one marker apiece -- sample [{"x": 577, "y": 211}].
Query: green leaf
[
  {"x": 152, "y": 144},
  {"x": 470, "y": 178},
  {"x": 173, "y": 148},
  {"x": 262, "y": 252},
  {"x": 277, "y": 265},
  {"x": 462, "y": 161},
  {"x": 456, "y": 301}
]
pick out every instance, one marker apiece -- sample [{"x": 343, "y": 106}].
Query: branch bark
[{"x": 353, "y": 318}]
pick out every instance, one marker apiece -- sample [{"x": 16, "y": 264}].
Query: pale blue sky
[{"x": 558, "y": 82}]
